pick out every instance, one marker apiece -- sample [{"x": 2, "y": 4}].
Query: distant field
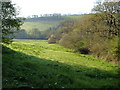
[
  {"x": 74, "y": 16},
  {"x": 35, "y": 63},
  {"x": 44, "y": 24}
]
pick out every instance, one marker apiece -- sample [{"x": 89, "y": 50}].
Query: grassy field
[
  {"x": 42, "y": 26},
  {"x": 37, "y": 64},
  {"x": 74, "y": 16}
]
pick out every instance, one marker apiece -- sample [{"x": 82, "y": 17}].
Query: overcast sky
[{"x": 37, "y": 7}]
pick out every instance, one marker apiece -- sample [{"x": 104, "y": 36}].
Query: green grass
[
  {"x": 73, "y": 16},
  {"x": 42, "y": 26},
  {"x": 37, "y": 64}
]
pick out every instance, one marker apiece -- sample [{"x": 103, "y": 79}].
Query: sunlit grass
[
  {"x": 51, "y": 65},
  {"x": 41, "y": 26}
]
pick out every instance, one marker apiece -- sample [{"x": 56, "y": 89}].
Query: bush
[
  {"x": 83, "y": 51},
  {"x": 52, "y": 39}
]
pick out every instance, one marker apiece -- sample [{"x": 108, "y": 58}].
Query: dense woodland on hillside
[{"x": 96, "y": 34}]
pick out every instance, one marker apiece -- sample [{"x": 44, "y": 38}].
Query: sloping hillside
[
  {"x": 41, "y": 26},
  {"x": 37, "y": 64},
  {"x": 44, "y": 23},
  {"x": 33, "y": 28}
]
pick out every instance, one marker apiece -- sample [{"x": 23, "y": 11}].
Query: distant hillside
[
  {"x": 41, "y": 26},
  {"x": 44, "y": 23},
  {"x": 35, "y": 27},
  {"x": 46, "y": 19},
  {"x": 73, "y": 16}
]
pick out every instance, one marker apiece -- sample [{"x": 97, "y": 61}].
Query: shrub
[
  {"x": 83, "y": 50},
  {"x": 52, "y": 39}
]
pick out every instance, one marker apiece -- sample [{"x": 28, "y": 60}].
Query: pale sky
[{"x": 37, "y": 7}]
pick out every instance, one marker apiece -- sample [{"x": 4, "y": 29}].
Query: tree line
[
  {"x": 31, "y": 34},
  {"x": 96, "y": 34}
]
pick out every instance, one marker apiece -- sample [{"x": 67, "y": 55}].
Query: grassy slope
[
  {"x": 39, "y": 25},
  {"x": 44, "y": 25},
  {"x": 39, "y": 64},
  {"x": 74, "y": 16}
]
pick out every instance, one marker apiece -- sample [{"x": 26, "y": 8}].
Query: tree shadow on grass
[{"x": 25, "y": 71}]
